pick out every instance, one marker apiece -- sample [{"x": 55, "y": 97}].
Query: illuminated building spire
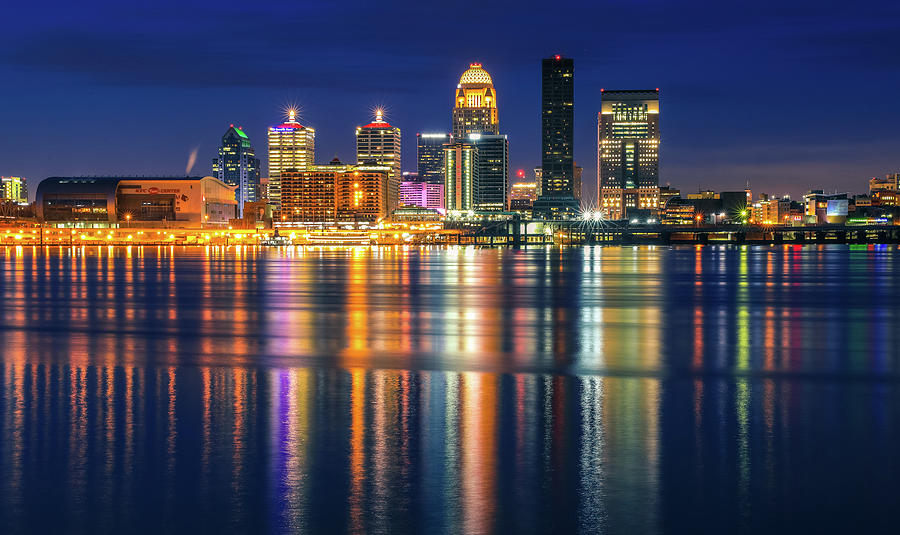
[{"x": 475, "y": 104}]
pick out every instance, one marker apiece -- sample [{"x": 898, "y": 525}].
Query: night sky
[{"x": 780, "y": 93}]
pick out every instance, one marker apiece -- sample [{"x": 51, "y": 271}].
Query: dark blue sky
[{"x": 788, "y": 95}]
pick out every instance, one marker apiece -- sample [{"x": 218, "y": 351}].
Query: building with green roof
[{"x": 238, "y": 166}]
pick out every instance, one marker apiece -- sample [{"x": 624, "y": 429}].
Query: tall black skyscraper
[
  {"x": 557, "y": 122},
  {"x": 558, "y": 196}
]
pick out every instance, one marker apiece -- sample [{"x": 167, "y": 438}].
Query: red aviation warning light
[{"x": 520, "y": 173}]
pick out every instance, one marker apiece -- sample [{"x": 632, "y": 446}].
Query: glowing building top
[
  {"x": 475, "y": 104},
  {"x": 476, "y": 75},
  {"x": 379, "y": 121},
  {"x": 291, "y": 121}
]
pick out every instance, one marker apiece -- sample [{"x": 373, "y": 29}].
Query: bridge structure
[{"x": 582, "y": 232}]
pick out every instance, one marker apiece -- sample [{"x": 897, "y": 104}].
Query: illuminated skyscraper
[
  {"x": 461, "y": 172},
  {"x": 291, "y": 146},
  {"x": 492, "y": 179},
  {"x": 628, "y": 151},
  {"x": 475, "y": 105},
  {"x": 628, "y": 139},
  {"x": 430, "y": 157},
  {"x": 378, "y": 143},
  {"x": 557, "y": 125},
  {"x": 237, "y": 165}
]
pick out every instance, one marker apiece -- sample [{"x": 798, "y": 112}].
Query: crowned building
[
  {"x": 476, "y": 158},
  {"x": 475, "y": 105}
]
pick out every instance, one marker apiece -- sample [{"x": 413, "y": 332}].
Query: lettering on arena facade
[{"x": 154, "y": 190}]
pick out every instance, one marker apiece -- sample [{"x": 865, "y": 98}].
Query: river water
[{"x": 450, "y": 390}]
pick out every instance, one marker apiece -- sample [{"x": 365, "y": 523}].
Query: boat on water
[
  {"x": 275, "y": 240},
  {"x": 327, "y": 238},
  {"x": 346, "y": 237}
]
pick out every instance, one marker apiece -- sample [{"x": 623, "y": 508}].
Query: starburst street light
[{"x": 592, "y": 220}]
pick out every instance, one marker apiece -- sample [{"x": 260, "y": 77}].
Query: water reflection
[{"x": 412, "y": 390}]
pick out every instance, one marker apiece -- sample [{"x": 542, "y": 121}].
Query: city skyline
[
  {"x": 397, "y": 267},
  {"x": 727, "y": 62}
]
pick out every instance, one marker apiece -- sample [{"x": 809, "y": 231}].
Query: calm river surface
[{"x": 458, "y": 390}]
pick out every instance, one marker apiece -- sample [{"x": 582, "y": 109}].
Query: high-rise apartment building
[
  {"x": 557, "y": 125},
  {"x": 309, "y": 196},
  {"x": 335, "y": 193},
  {"x": 361, "y": 194},
  {"x": 475, "y": 105},
  {"x": 238, "y": 166},
  {"x": 628, "y": 139},
  {"x": 461, "y": 172},
  {"x": 14, "y": 188},
  {"x": 491, "y": 187},
  {"x": 378, "y": 143},
  {"x": 291, "y": 146},
  {"x": 430, "y": 156}
]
